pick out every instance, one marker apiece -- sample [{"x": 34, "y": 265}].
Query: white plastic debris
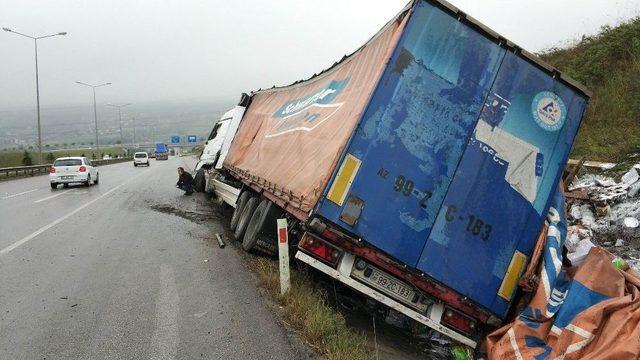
[
  {"x": 619, "y": 243},
  {"x": 572, "y": 242},
  {"x": 582, "y": 250},
  {"x": 630, "y": 177},
  {"x": 605, "y": 182},
  {"x": 634, "y": 189},
  {"x": 588, "y": 219},
  {"x": 575, "y": 212},
  {"x": 631, "y": 222}
]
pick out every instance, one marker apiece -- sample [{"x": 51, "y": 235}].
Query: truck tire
[
  {"x": 247, "y": 212},
  {"x": 262, "y": 224},
  {"x": 238, "y": 210},
  {"x": 198, "y": 181}
]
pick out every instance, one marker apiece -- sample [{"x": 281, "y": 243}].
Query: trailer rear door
[
  {"x": 486, "y": 228},
  {"x": 390, "y": 184}
]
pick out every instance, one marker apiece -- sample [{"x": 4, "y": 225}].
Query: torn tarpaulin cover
[{"x": 587, "y": 312}]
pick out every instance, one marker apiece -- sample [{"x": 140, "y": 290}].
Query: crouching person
[{"x": 185, "y": 181}]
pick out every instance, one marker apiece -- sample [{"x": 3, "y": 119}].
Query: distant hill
[{"x": 609, "y": 65}]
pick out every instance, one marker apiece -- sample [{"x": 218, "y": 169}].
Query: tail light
[
  {"x": 52, "y": 170},
  {"x": 459, "y": 321},
  {"x": 320, "y": 249},
  {"x": 82, "y": 169}
]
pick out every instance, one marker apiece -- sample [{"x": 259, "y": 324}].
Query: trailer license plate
[
  {"x": 390, "y": 284},
  {"x": 385, "y": 283}
]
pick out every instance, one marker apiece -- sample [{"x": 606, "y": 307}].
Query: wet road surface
[{"x": 127, "y": 269}]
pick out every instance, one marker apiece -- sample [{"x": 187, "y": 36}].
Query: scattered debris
[
  {"x": 64, "y": 298},
  {"x": 206, "y": 260},
  {"x": 220, "y": 242},
  {"x": 631, "y": 222},
  {"x": 593, "y": 164},
  {"x": 630, "y": 177},
  {"x": 74, "y": 305},
  {"x": 581, "y": 252},
  {"x": 604, "y": 212}
]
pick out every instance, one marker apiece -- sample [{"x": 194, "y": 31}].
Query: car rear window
[
  {"x": 141, "y": 155},
  {"x": 67, "y": 162}
]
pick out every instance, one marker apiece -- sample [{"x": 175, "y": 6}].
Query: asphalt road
[{"x": 127, "y": 269}]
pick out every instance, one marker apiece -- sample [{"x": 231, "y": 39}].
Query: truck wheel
[
  {"x": 247, "y": 212},
  {"x": 262, "y": 224},
  {"x": 238, "y": 210},
  {"x": 198, "y": 181}
]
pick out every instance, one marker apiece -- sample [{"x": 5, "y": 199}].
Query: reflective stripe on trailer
[{"x": 344, "y": 276}]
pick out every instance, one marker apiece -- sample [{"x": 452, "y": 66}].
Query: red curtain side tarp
[{"x": 291, "y": 138}]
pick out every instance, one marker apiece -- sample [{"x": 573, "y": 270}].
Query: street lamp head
[
  {"x": 62, "y": 33},
  {"x": 6, "y": 29}
]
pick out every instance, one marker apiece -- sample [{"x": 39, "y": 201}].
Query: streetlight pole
[
  {"x": 120, "y": 117},
  {"x": 35, "y": 41},
  {"x": 134, "y": 133},
  {"x": 95, "y": 110}
]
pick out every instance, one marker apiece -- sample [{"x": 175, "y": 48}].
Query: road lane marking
[
  {"x": 54, "y": 196},
  {"x": 18, "y": 194},
  {"x": 164, "y": 343},
  {"x": 59, "y": 220}
]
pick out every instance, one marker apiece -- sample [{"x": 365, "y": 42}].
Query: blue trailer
[
  {"x": 162, "y": 152},
  {"x": 435, "y": 200}
]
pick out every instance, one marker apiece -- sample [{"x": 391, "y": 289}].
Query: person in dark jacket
[{"x": 185, "y": 181}]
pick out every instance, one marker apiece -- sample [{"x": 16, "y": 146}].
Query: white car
[
  {"x": 141, "y": 158},
  {"x": 69, "y": 170}
]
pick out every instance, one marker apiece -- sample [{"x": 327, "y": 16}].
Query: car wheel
[
  {"x": 54, "y": 185},
  {"x": 97, "y": 179},
  {"x": 247, "y": 212},
  {"x": 88, "y": 182},
  {"x": 135, "y": 165},
  {"x": 262, "y": 224},
  {"x": 238, "y": 210},
  {"x": 65, "y": 185}
]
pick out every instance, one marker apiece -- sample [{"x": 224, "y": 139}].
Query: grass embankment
[
  {"x": 305, "y": 309},
  {"x": 609, "y": 65},
  {"x": 10, "y": 158}
]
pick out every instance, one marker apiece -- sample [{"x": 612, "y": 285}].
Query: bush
[
  {"x": 26, "y": 159},
  {"x": 609, "y": 65}
]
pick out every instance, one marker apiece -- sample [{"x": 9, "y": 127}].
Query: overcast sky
[{"x": 203, "y": 50}]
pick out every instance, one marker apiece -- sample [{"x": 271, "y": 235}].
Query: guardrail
[{"x": 21, "y": 171}]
